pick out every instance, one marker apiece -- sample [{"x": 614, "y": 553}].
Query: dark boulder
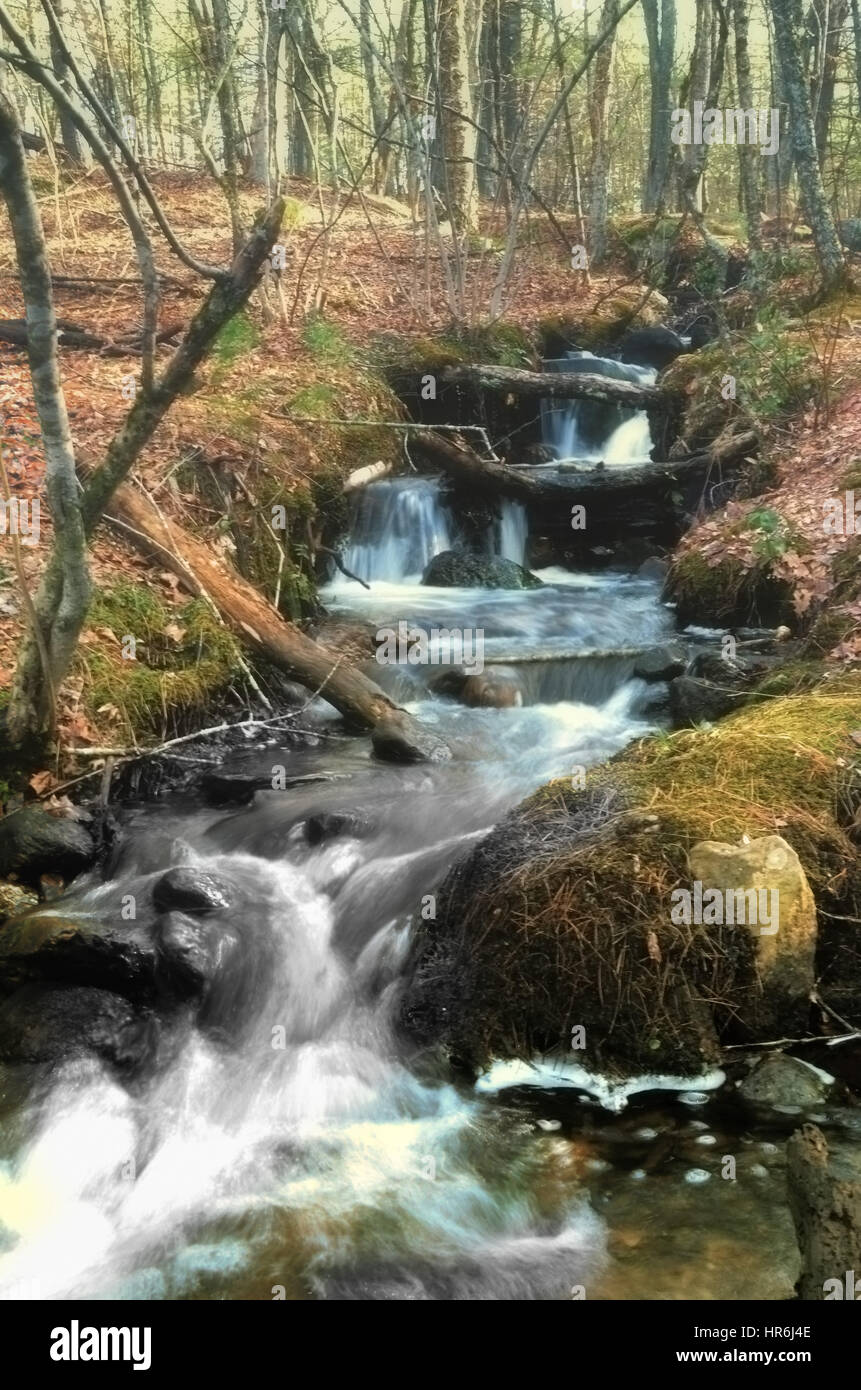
[
  {"x": 334, "y": 825},
  {"x": 460, "y": 569},
  {"x": 33, "y": 843},
  {"x": 46, "y": 945},
  {"x": 52, "y": 1023},
  {"x": 661, "y": 663},
  {"x": 194, "y": 951},
  {"x": 651, "y": 347},
  {"x": 188, "y": 889}
]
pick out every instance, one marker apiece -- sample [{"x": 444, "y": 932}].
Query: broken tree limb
[
  {"x": 558, "y": 385},
  {"x": 369, "y": 474},
  {"x": 465, "y": 466},
  {"x": 256, "y": 622}
]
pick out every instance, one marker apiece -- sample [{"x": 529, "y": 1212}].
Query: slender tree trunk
[
  {"x": 786, "y": 17},
  {"x": 458, "y": 134},
  {"x": 661, "y": 36},
  {"x": 64, "y": 591},
  {"x": 856, "y": 34},
  {"x": 72, "y": 142},
  {"x": 599, "y": 162},
  {"x": 747, "y": 154},
  {"x": 261, "y": 125},
  {"x": 833, "y": 16}
]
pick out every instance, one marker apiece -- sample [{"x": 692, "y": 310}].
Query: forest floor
[{"x": 275, "y": 401}]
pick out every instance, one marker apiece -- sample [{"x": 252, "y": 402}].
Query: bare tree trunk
[
  {"x": 64, "y": 591},
  {"x": 261, "y": 126},
  {"x": 747, "y": 155},
  {"x": 856, "y": 34},
  {"x": 786, "y": 17},
  {"x": 72, "y": 143},
  {"x": 599, "y": 162},
  {"x": 661, "y": 35},
  {"x": 833, "y": 14},
  {"x": 455, "y": 101}
]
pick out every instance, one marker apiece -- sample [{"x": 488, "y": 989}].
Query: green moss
[
  {"x": 183, "y": 660},
  {"x": 326, "y": 342},
  {"x": 727, "y": 593},
  {"x": 237, "y": 339}
]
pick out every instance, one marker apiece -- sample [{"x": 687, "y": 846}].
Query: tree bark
[
  {"x": 458, "y": 135},
  {"x": 747, "y": 155},
  {"x": 64, "y": 591},
  {"x": 661, "y": 36},
  {"x": 785, "y": 16},
  {"x": 599, "y": 162}
]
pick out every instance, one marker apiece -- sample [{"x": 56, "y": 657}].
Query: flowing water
[
  {"x": 595, "y": 431},
  {"x": 308, "y": 1156}
]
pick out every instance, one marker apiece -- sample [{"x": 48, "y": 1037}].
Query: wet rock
[
  {"x": 654, "y": 568},
  {"x": 460, "y": 569},
  {"x": 188, "y": 889},
  {"x": 221, "y": 789},
  {"x": 694, "y": 701},
  {"x": 46, "y": 945},
  {"x": 51, "y": 1023},
  {"x": 333, "y": 825},
  {"x": 14, "y": 898},
  {"x": 194, "y": 950},
  {"x": 770, "y": 875},
  {"x": 779, "y": 1080},
  {"x": 493, "y": 689},
  {"x": 651, "y": 347},
  {"x": 661, "y": 663},
  {"x": 32, "y": 842},
  {"x": 394, "y": 741},
  {"x": 536, "y": 454}
]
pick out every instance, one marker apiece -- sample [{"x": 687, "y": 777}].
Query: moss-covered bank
[{"x": 562, "y": 916}]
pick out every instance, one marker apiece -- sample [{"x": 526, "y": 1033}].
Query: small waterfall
[
  {"x": 397, "y": 527},
  {"x": 596, "y": 430},
  {"x": 512, "y": 531}
]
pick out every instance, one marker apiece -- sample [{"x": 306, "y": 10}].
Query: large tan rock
[{"x": 783, "y": 930}]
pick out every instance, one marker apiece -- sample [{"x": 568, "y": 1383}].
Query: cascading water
[
  {"x": 283, "y": 1146},
  {"x": 397, "y": 527},
  {"x": 594, "y": 431}
]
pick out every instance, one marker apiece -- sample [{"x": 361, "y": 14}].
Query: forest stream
[{"x": 303, "y": 1152}]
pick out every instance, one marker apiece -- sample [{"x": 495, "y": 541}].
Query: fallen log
[
  {"x": 396, "y": 735},
  {"x": 528, "y": 484},
  {"x": 72, "y": 335},
  {"x": 463, "y": 464},
  {"x": 559, "y": 385},
  {"x": 824, "y": 1186},
  {"x": 599, "y": 481}
]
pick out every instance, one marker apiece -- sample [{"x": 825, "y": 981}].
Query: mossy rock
[
  {"x": 561, "y": 916},
  {"x": 728, "y": 593}
]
